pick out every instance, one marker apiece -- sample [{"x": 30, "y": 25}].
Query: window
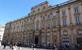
[
  {"x": 53, "y": 13},
  {"x": 63, "y": 13},
  {"x": 37, "y": 25},
  {"x": 44, "y": 7},
  {"x": 54, "y": 23},
  {"x": 29, "y": 20},
  {"x": 48, "y": 34},
  {"x": 77, "y": 18},
  {"x": 64, "y": 22},
  {"x": 49, "y": 26},
  {"x": 64, "y": 17},
  {"x": 76, "y": 10}
]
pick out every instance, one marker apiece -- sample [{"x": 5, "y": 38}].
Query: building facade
[
  {"x": 47, "y": 26},
  {"x": 1, "y": 32}
]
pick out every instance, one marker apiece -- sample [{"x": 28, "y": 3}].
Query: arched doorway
[
  {"x": 79, "y": 38},
  {"x": 79, "y": 43}
]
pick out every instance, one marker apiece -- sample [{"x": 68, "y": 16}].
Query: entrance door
[
  {"x": 36, "y": 40},
  {"x": 79, "y": 41}
]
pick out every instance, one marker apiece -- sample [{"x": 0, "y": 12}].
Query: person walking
[
  {"x": 4, "y": 45},
  {"x": 55, "y": 47},
  {"x": 14, "y": 47}
]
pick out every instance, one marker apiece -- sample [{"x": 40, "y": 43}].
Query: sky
[{"x": 15, "y": 9}]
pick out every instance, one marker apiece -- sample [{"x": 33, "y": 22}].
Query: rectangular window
[
  {"x": 64, "y": 22},
  {"x": 76, "y": 9},
  {"x": 48, "y": 26},
  {"x": 54, "y": 23},
  {"x": 44, "y": 7},
  {"x": 63, "y": 13},
  {"x": 77, "y": 18}
]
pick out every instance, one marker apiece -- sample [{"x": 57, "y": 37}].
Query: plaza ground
[{"x": 21, "y": 48}]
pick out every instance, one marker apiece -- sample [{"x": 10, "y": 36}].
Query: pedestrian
[
  {"x": 55, "y": 47},
  {"x": 4, "y": 45},
  {"x": 14, "y": 47},
  {"x": 19, "y": 44},
  {"x": 11, "y": 46}
]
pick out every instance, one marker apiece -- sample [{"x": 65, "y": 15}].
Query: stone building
[
  {"x": 47, "y": 26},
  {"x": 1, "y": 32}
]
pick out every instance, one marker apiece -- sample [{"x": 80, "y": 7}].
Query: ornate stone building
[{"x": 47, "y": 26}]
